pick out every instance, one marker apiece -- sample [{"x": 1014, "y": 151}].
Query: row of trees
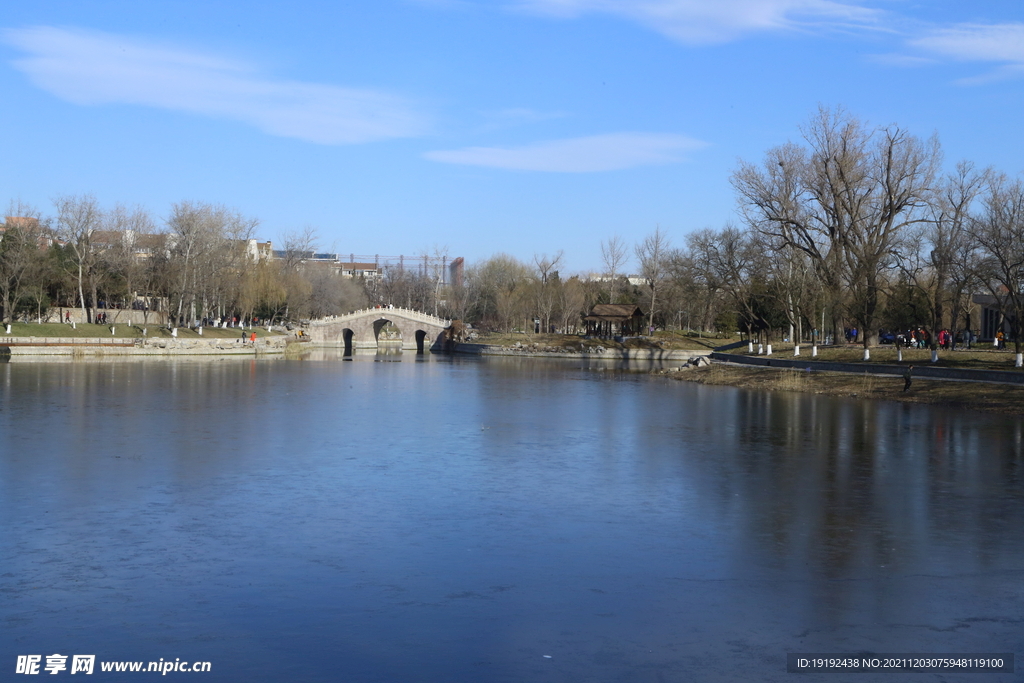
[
  {"x": 202, "y": 264},
  {"x": 850, "y": 227},
  {"x": 858, "y": 227},
  {"x": 854, "y": 227}
]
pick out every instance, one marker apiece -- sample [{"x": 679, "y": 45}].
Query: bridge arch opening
[
  {"x": 386, "y": 333},
  {"x": 346, "y": 336}
]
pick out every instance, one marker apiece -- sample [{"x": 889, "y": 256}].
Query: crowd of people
[{"x": 920, "y": 338}]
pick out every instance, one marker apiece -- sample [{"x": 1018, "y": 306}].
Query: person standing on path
[{"x": 907, "y": 377}]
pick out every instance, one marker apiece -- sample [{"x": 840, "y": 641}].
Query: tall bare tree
[
  {"x": 842, "y": 200},
  {"x": 545, "y": 288},
  {"x": 935, "y": 258},
  {"x": 123, "y": 259},
  {"x": 613, "y": 254},
  {"x": 77, "y": 218},
  {"x": 999, "y": 231},
  {"x": 653, "y": 254}
]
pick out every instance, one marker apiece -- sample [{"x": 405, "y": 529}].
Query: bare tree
[
  {"x": 546, "y": 287},
  {"x": 999, "y": 231},
  {"x": 613, "y": 254},
  {"x": 210, "y": 247},
  {"x": 299, "y": 245},
  {"x": 653, "y": 254},
  {"x": 573, "y": 302},
  {"x": 20, "y": 257},
  {"x": 498, "y": 289},
  {"x": 122, "y": 259},
  {"x": 724, "y": 259},
  {"x": 77, "y": 218},
  {"x": 935, "y": 257},
  {"x": 842, "y": 201}
]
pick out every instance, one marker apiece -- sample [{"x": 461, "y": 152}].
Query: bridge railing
[{"x": 404, "y": 312}]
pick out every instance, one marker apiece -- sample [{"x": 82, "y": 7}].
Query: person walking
[{"x": 907, "y": 377}]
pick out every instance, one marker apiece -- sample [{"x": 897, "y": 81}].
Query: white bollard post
[
  {"x": 814, "y": 350},
  {"x": 899, "y": 354},
  {"x": 1019, "y": 362},
  {"x": 796, "y": 350},
  {"x": 867, "y": 354},
  {"x": 74, "y": 325},
  {"x": 768, "y": 350}
]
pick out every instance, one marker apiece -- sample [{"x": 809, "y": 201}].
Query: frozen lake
[{"x": 492, "y": 520}]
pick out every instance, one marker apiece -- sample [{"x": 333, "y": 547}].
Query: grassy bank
[
  {"x": 999, "y": 398},
  {"x": 978, "y": 358},
  {"x": 125, "y": 331}
]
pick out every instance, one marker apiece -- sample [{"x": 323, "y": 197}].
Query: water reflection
[{"x": 458, "y": 518}]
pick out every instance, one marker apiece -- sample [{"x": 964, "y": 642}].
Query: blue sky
[{"x": 523, "y": 126}]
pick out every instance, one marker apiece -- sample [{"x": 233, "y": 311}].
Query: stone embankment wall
[
  {"x": 113, "y": 346},
  {"x": 539, "y": 350},
  {"x": 920, "y": 370}
]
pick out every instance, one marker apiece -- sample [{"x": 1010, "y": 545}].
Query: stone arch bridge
[{"x": 361, "y": 329}]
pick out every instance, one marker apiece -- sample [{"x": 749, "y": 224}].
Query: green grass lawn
[
  {"x": 977, "y": 358},
  {"x": 126, "y": 332}
]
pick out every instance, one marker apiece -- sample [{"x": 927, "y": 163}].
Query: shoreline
[
  {"x": 49, "y": 347},
  {"x": 597, "y": 352},
  {"x": 951, "y": 393}
]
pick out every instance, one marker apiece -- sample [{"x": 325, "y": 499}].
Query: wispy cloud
[
  {"x": 976, "y": 42},
  {"x": 610, "y": 152},
  {"x": 1001, "y": 44},
  {"x": 91, "y": 68},
  {"x": 515, "y": 117},
  {"x": 699, "y": 22},
  {"x": 901, "y": 60}
]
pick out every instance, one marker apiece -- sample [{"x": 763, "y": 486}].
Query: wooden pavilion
[{"x": 608, "y": 320}]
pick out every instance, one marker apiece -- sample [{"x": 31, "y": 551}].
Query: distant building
[
  {"x": 375, "y": 266},
  {"x": 634, "y": 280},
  {"x": 142, "y": 245},
  {"x": 993, "y": 320},
  {"x": 44, "y": 236}
]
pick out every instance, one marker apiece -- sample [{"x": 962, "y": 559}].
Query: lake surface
[{"x": 493, "y": 520}]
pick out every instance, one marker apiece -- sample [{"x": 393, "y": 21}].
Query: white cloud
[
  {"x": 999, "y": 43},
  {"x": 901, "y": 60},
  {"x": 715, "y": 21},
  {"x": 977, "y": 42},
  {"x": 92, "y": 68},
  {"x": 608, "y": 152}
]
